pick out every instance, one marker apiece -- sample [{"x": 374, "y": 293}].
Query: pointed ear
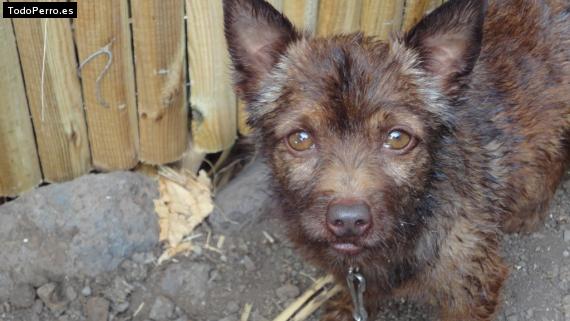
[
  {"x": 257, "y": 35},
  {"x": 449, "y": 40}
]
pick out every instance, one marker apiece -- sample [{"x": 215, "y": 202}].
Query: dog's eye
[
  {"x": 397, "y": 139},
  {"x": 300, "y": 141}
]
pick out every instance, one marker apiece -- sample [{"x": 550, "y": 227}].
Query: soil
[{"x": 255, "y": 264}]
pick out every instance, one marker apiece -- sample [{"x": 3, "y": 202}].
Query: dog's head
[{"x": 350, "y": 125}]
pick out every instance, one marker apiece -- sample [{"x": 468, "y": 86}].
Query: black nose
[{"x": 347, "y": 218}]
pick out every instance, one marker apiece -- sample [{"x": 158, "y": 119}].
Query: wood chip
[
  {"x": 246, "y": 312},
  {"x": 309, "y": 301}
]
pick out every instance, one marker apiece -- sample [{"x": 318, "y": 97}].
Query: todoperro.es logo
[{"x": 39, "y": 9}]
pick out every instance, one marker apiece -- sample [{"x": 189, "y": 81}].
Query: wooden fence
[{"x": 114, "y": 87}]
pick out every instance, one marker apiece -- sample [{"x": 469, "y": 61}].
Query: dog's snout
[{"x": 346, "y": 218}]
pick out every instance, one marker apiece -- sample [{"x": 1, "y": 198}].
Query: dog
[{"x": 408, "y": 159}]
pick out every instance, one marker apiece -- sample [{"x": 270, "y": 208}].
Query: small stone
[
  {"x": 86, "y": 291},
  {"x": 232, "y": 307},
  {"x": 566, "y": 254},
  {"x": 121, "y": 307},
  {"x": 97, "y": 309},
  {"x": 38, "y": 306},
  {"x": 288, "y": 291},
  {"x": 119, "y": 291},
  {"x": 162, "y": 309},
  {"x": 197, "y": 250},
  {"x": 48, "y": 294},
  {"x": 512, "y": 317},
  {"x": 133, "y": 271},
  {"x": 258, "y": 317},
  {"x": 248, "y": 263},
  {"x": 23, "y": 296},
  {"x": 70, "y": 293}
]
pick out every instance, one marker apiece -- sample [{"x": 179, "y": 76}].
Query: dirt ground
[{"x": 255, "y": 264}]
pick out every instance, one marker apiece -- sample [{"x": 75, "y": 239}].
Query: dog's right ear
[{"x": 257, "y": 35}]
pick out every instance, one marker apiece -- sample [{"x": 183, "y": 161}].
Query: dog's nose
[{"x": 347, "y": 218}]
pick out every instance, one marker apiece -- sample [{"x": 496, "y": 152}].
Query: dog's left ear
[
  {"x": 449, "y": 39},
  {"x": 257, "y": 35}
]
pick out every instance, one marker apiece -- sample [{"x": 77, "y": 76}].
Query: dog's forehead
[
  {"x": 355, "y": 72},
  {"x": 344, "y": 78}
]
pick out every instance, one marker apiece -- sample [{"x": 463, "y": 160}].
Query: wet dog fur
[{"x": 484, "y": 91}]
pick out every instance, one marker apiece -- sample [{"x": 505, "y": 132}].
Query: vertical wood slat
[
  {"x": 416, "y": 9},
  {"x": 381, "y": 18},
  {"x": 19, "y": 164},
  {"x": 160, "y": 58},
  {"x": 277, "y": 4},
  {"x": 214, "y": 123},
  {"x": 302, "y": 13},
  {"x": 110, "y": 103},
  {"x": 55, "y": 102},
  {"x": 338, "y": 16}
]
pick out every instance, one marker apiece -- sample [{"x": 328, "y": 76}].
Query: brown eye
[
  {"x": 397, "y": 140},
  {"x": 300, "y": 141}
]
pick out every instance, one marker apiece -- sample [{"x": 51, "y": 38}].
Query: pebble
[
  {"x": 86, "y": 291},
  {"x": 47, "y": 293},
  {"x": 121, "y": 307},
  {"x": 288, "y": 291},
  {"x": 97, "y": 309},
  {"x": 134, "y": 271},
  {"x": 566, "y": 254},
  {"x": 162, "y": 309},
  {"x": 248, "y": 263},
  {"x": 119, "y": 291},
  {"x": 70, "y": 293},
  {"x": 38, "y": 306},
  {"x": 258, "y": 317},
  {"x": 232, "y": 307},
  {"x": 512, "y": 317},
  {"x": 23, "y": 296}
]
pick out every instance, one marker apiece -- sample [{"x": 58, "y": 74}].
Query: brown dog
[{"x": 406, "y": 159}]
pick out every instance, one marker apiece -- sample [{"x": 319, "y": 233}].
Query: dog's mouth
[{"x": 347, "y": 248}]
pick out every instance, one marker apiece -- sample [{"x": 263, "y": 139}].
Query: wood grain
[
  {"x": 55, "y": 99},
  {"x": 382, "y": 18},
  {"x": 19, "y": 163},
  {"x": 302, "y": 13},
  {"x": 110, "y": 102},
  {"x": 416, "y": 9},
  {"x": 160, "y": 51},
  {"x": 214, "y": 122},
  {"x": 338, "y": 16}
]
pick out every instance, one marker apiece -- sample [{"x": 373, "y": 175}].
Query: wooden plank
[
  {"x": 381, "y": 18},
  {"x": 302, "y": 13},
  {"x": 415, "y": 9},
  {"x": 19, "y": 163},
  {"x": 277, "y": 4},
  {"x": 54, "y": 96},
  {"x": 338, "y": 16},
  {"x": 160, "y": 51},
  {"x": 243, "y": 127},
  {"x": 103, "y": 41},
  {"x": 214, "y": 122}
]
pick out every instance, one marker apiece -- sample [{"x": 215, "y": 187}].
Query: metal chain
[{"x": 357, "y": 286}]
